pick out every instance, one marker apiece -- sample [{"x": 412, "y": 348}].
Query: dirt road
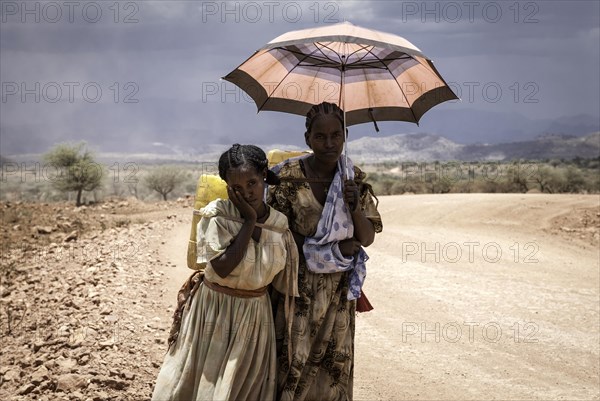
[{"x": 476, "y": 296}]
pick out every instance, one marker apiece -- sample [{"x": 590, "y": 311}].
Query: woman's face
[
  {"x": 326, "y": 138},
  {"x": 249, "y": 183}
]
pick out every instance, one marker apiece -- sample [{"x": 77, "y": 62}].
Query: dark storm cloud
[{"x": 166, "y": 59}]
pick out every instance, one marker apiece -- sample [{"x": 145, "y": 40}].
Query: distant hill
[
  {"x": 171, "y": 130},
  {"x": 427, "y": 147},
  {"x": 543, "y": 147},
  {"x": 401, "y": 147},
  {"x": 414, "y": 147},
  {"x": 472, "y": 126},
  {"x": 4, "y": 160}
]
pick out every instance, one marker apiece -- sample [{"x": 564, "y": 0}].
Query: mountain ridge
[
  {"x": 399, "y": 147},
  {"x": 430, "y": 147}
]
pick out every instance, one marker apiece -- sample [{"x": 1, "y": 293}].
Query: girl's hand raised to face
[{"x": 245, "y": 209}]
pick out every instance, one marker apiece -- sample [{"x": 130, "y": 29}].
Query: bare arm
[{"x": 363, "y": 228}]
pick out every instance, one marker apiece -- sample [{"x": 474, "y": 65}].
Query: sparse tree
[
  {"x": 516, "y": 179},
  {"x": 71, "y": 167},
  {"x": 133, "y": 190},
  {"x": 549, "y": 180},
  {"x": 575, "y": 181},
  {"x": 164, "y": 180}
]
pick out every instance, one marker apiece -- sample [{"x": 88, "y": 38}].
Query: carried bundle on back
[
  {"x": 277, "y": 156},
  {"x": 209, "y": 188}
]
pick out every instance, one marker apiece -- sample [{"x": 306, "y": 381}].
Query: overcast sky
[{"x": 126, "y": 75}]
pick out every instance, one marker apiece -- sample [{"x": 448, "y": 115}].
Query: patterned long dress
[
  {"x": 323, "y": 326},
  {"x": 226, "y": 347}
]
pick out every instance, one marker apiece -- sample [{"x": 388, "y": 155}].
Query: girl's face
[
  {"x": 249, "y": 183},
  {"x": 326, "y": 138}
]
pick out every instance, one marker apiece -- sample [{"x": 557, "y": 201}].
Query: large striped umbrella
[{"x": 371, "y": 75}]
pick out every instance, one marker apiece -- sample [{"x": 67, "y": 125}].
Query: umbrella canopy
[{"x": 371, "y": 75}]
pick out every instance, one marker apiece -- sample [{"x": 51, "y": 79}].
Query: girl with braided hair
[
  {"x": 332, "y": 217},
  {"x": 225, "y": 348}
]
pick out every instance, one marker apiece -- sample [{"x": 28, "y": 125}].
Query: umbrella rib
[
  {"x": 399, "y": 87},
  {"x": 405, "y": 57},
  {"x": 316, "y": 57},
  {"x": 327, "y": 47},
  {"x": 375, "y": 63},
  {"x": 370, "y": 65},
  {"x": 286, "y": 75},
  {"x": 326, "y": 60},
  {"x": 357, "y": 50},
  {"x": 358, "y": 63},
  {"x": 316, "y": 65},
  {"x": 312, "y": 54}
]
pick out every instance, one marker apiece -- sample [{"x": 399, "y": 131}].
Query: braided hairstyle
[
  {"x": 323, "y": 109},
  {"x": 248, "y": 155}
]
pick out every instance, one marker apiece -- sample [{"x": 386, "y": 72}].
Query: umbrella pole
[
  {"x": 345, "y": 141},
  {"x": 344, "y": 109}
]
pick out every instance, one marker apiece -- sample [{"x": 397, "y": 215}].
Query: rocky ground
[
  {"x": 83, "y": 315},
  {"x": 86, "y": 297},
  {"x": 579, "y": 225}
]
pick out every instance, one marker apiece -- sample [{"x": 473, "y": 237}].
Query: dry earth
[{"x": 476, "y": 297}]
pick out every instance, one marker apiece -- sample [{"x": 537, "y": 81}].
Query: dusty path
[
  {"x": 476, "y": 297},
  {"x": 174, "y": 250},
  {"x": 520, "y": 325}
]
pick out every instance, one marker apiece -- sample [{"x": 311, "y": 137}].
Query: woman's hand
[
  {"x": 349, "y": 247},
  {"x": 247, "y": 211},
  {"x": 364, "y": 232},
  {"x": 351, "y": 195}
]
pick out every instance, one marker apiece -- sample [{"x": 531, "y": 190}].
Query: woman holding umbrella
[
  {"x": 332, "y": 217},
  {"x": 381, "y": 77}
]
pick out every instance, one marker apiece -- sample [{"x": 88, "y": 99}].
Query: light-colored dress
[
  {"x": 322, "y": 337},
  {"x": 226, "y": 346}
]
